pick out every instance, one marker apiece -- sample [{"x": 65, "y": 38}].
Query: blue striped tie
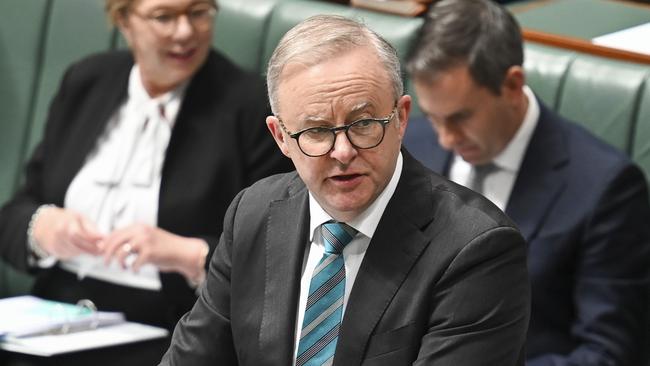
[{"x": 320, "y": 326}]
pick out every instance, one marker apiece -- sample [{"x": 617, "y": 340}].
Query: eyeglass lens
[
  {"x": 363, "y": 134},
  {"x": 199, "y": 16}
]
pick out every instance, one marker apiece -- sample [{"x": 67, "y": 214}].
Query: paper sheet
[
  {"x": 30, "y": 325},
  {"x": 634, "y": 39},
  {"x": 102, "y": 337},
  {"x": 26, "y": 315}
]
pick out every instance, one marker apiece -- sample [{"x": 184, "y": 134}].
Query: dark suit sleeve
[
  {"x": 481, "y": 305},
  {"x": 612, "y": 280},
  {"x": 15, "y": 216},
  {"x": 203, "y": 336},
  {"x": 16, "y": 213}
]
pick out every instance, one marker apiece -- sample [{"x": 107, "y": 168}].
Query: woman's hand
[
  {"x": 64, "y": 233},
  {"x": 167, "y": 251}
]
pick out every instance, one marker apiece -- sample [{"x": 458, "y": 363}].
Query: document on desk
[
  {"x": 112, "y": 335},
  {"x": 24, "y": 316},
  {"x": 633, "y": 39},
  {"x": 40, "y": 327}
]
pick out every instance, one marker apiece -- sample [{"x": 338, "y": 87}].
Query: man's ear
[
  {"x": 403, "y": 112},
  {"x": 514, "y": 80},
  {"x": 273, "y": 125}
]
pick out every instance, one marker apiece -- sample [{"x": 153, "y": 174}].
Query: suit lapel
[
  {"x": 194, "y": 111},
  {"x": 394, "y": 249},
  {"x": 541, "y": 177},
  {"x": 192, "y": 115},
  {"x": 285, "y": 251},
  {"x": 94, "y": 118}
]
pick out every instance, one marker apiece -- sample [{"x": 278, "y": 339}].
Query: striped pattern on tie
[{"x": 320, "y": 327}]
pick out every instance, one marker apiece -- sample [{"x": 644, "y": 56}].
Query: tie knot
[
  {"x": 336, "y": 235},
  {"x": 480, "y": 172},
  {"x": 485, "y": 169}
]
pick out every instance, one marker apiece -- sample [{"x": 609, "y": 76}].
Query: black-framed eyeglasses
[
  {"x": 165, "y": 22},
  {"x": 363, "y": 134}
]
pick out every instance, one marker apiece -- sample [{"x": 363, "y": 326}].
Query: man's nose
[
  {"x": 343, "y": 149},
  {"x": 447, "y": 137}
]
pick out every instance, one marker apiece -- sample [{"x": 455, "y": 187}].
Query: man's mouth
[{"x": 346, "y": 177}]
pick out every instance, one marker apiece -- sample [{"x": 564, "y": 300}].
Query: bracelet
[{"x": 32, "y": 244}]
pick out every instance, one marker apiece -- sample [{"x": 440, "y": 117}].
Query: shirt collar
[
  {"x": 366, "y": 223},
  {"x": 512, "y": 155},
  {"x": 138, "y": 97}
]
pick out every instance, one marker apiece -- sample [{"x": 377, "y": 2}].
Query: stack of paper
[
  {"x": 44, "y": 328},
  {"x": 25, "y": 316},
  {"x": 634, "y": 39}
]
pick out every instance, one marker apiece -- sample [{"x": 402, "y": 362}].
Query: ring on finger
[{"x": 128, "y": 248}]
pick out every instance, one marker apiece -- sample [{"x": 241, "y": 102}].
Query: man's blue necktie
[{"x": 320, "y": 326}]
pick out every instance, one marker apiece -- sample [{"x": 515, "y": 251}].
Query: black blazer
[
  {"x": 219, "y": 145},
  {"x": 583, "y": 208},
  {"x": 443, "y": 282}
]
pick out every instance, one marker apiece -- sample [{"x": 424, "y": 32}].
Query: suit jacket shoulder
[
  {"x": 578, "y": 201},
  {"x": 99, "y": 65}
]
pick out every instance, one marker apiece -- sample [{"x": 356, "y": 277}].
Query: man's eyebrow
[
  {"x": 459, "y": 115},
  {"x": 315, "y": 120},
  {"x": 453, "y": 116},
  {"x": 357, "y": 108}
]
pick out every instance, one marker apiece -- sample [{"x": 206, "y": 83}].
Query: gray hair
[
  {"x": 478, "y": 33},
  {"x": 323, "y": 37}
]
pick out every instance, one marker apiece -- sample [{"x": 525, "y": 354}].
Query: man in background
[{"x": 581, "y": 205}]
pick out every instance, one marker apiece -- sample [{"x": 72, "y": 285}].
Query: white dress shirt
[
  {"x": 498, "y": 185},
  {"x": 119, "y": 183},
  {"x": 353, "y": 253}
]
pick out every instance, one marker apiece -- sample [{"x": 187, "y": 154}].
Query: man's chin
[
  {"x": 345, "y": 211},
  {"x": 473, "y": 159}
]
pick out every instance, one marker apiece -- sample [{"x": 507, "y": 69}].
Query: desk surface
[
  {"x": 573, "y": 23},
  {"x": 584, "y": 19}
]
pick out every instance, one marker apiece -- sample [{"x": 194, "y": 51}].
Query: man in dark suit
[
  {"x": 363, "y": 256},
  {"x": 581, "y": 205}
]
